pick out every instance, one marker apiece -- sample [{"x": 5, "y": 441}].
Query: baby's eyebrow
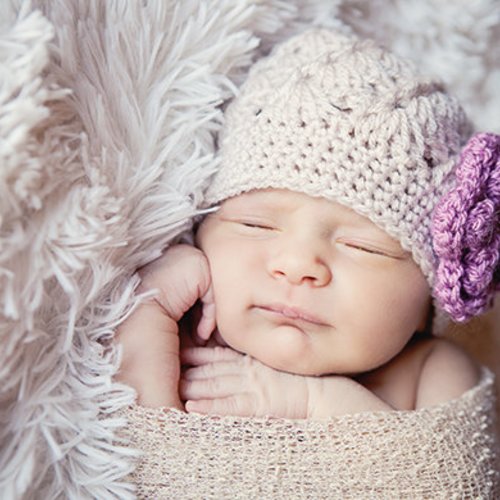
[{"x": 255, "y": 205}]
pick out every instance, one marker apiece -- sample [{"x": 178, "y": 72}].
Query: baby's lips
[{"x": 292, "y": 312}]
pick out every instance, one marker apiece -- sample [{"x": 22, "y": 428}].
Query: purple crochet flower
[{"x": 465, "y": 232}]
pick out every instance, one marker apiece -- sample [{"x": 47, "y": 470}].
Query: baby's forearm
[
  {"x": 338, "y": 395},
  {"x": 150, "y": 361}
]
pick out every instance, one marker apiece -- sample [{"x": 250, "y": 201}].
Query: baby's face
[{"x": 308, "y": 286}]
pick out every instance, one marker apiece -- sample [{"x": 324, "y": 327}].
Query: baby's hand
[
  {"x": 225, "y": 382},
  {"x": 150, "y": 335},
  {"x": 182, "y": 276}
]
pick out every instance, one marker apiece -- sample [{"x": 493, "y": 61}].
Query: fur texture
[{"x": 108, "y": 113}]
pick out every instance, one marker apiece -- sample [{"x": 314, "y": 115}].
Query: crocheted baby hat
[{"x": 331, "y": 115}]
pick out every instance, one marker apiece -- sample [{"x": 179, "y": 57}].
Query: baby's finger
[
  {"x": 209, "y": 370},
  {"x": 207, "y": 322},
  {"x": 240, "y": 405},
  {"x": 203, "y": 355},
  {"x": 209, "y": 388}
]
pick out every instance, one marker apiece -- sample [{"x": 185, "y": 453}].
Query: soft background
[{"x": 108, "y": 110}]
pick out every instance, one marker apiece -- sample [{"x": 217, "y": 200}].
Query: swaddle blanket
[{"x": 447, "y": 451}]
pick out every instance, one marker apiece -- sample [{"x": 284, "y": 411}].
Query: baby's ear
[{"x": 465, "y": 232}]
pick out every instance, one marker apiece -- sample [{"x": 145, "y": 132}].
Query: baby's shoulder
[
  {"x": 427, "y": 372},
  {"x": 447, "y": 372}
]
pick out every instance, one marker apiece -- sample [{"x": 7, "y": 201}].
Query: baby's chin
[{"x": 286, "y": 348}]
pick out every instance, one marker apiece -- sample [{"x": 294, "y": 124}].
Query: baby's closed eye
[
  {"x": 256, "y": 225},
  {"x": 251, "y": 223},
  {"x": 371, "y": 248}
]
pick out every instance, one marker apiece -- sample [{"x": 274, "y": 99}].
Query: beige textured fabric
[
  {"x": 334, "y": 116},
  {"x": 448, "y": 451}
]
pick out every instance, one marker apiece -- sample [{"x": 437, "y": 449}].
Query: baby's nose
[{"x": 299, "y": 266}]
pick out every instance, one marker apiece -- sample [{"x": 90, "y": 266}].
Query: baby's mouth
[{"x": 292, "y": 313}]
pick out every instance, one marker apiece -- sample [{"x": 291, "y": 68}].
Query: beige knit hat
[{"x": 330, "y": 115}]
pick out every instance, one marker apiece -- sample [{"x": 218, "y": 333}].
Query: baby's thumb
[{"x": 207, "y": 322}]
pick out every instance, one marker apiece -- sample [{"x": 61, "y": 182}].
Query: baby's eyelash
[
  {"x": 367, "y": 249},
  {"x": 255, "y": 225}
]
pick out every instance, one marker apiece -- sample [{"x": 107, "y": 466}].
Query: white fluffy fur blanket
[{"x": 108, "y": 113}]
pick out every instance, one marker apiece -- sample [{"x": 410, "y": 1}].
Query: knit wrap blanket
[{"x": 447, "y": 451}]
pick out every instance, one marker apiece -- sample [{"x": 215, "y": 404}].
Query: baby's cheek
[{"x": 226, "y": 319}]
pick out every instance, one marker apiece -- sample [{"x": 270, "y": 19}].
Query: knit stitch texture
[
  {"x": 334, "y": 116},
  {"x": 443, "y": 452},
  {"x": 466, "y": 232}
]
